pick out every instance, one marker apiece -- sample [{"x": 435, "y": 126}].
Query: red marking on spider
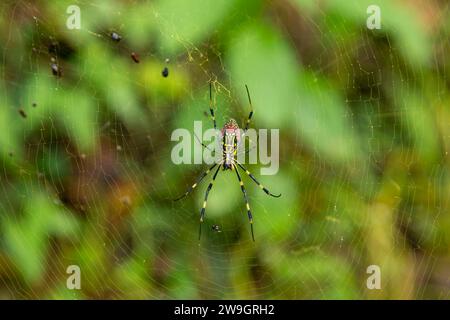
[{"x": 231, "y": 128}]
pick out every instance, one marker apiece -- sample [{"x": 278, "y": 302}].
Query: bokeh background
[{"x": 86, "y": 175}]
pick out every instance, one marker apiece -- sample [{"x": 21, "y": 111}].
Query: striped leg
[
  {"x": 191, "y": 188},
  {"x": 247, "y": 123},
  {"x": 211, "y": 110},
  {"x": 249, "y": 213},
  {"x": 202, "y": 212},
  {"x": 251, "y": 110},
  {"x": 256, "y": 181}
]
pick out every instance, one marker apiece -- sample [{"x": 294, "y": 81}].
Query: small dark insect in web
[
  {"x": 115, "y": 36},
  {"x": 165, "y": 72},
  {"x": 56, "y": 70},
  {"x": 22, "y": 113},
  {"x": 216, "y": 228},
  {"x": 135, "y": 57}
]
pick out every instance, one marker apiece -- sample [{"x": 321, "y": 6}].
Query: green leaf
[
  {"x": 114, "y": 77},
  {"x": 184, "y": 23},
  {"x": 282, "y": 93},
  {"x": 260, "y": 58},
  {"x": 73, "y": 108},
  {"x": 420, "y": 124},
  {"x": 323, "y": 120},
  {"x": 274, "y": 218},
  {"x": 27, "y": 237},
  {"x": 318, "y": 275},
  {"x": 399, "y": 20},
  {"x": 10, "y": 138}
]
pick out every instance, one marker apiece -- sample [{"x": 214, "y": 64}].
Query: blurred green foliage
[{"x": 364, "y": 136}]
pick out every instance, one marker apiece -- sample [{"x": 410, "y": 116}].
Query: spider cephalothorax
[
  {"x": 230, "y": 125},
  {"x": 231, "y": 137}
]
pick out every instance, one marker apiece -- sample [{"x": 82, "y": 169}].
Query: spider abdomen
[{"x": 230, "y": 139}]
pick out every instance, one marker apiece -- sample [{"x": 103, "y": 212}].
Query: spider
[{"x": 230, "y": 138}]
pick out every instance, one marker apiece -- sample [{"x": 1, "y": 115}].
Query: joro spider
[{"x": 230, "y": 136}]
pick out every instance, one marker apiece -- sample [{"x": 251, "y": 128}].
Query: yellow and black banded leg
[
  {"x": 202, "y": 212},
  {"x": 211, "y": 110},
  {"x": 257, "y": 182},
  {"x": 249, "y": 213},
  {"x": 251, "y": 110},
  {"x": 204, "y": 174}
]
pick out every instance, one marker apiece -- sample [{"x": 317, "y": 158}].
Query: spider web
[{"x": 87, "y": 175}]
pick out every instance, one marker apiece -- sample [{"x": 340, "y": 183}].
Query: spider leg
[
  {"x": 257, "y": 182},
  {"x": 249, "y": 213},
  {"x": 251, "y": 110},
  {"x": 202, "y": 212},
  {"x": 211, "y": 110},
  {"x": 247, "y": 124},
  {"x": 200, "y": 178}
]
